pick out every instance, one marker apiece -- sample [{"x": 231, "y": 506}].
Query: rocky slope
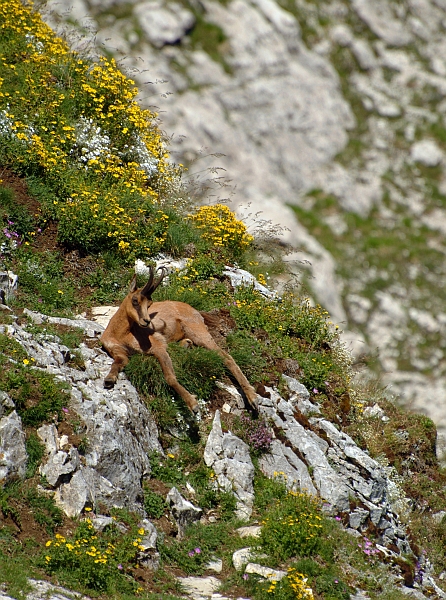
[
  {"x": 336, "y": 108},
  {"x": 307, "y": 452}
]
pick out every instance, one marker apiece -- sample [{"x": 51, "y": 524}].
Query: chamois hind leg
[
  {"x": 159, "y": 350},
  {"x": 120, "y": 359},
  {"x": 201, "y": 337}
]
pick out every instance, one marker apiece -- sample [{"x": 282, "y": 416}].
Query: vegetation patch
[{"x": 38, "y": 397}]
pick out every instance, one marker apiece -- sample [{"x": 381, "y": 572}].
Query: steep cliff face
[{"x": 329, "y": 118}]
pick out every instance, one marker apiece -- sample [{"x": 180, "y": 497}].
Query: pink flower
[
  {"x": 120, "y": 567},
  {"x": 197, "y": 551}
]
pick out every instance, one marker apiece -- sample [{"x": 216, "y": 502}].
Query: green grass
[{"x": 37, "y": 396}]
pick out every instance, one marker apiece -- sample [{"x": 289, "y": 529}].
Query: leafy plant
[
  {"x": 99, "y": 562},
  {"x": 255, "y": 432},
  {"x": 196, "y": 369},
  {"x": 292, "y": 527},
  {"x": 154, "y": 504},
  {"x": 44, "y": 509},
  {"x": 35, "y": 450},
  {"x": 37, "y": 395}
]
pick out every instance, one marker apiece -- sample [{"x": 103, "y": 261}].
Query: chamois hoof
[
  {"x": 109, "y": 383},
  {"x": 253, "y": 403},
  {"x": 186, "y": 343}
]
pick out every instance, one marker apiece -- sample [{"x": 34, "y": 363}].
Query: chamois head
[{"x": 140, "y": 300}]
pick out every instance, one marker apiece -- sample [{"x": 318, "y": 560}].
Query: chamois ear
[{"x": 132, "y": 286}]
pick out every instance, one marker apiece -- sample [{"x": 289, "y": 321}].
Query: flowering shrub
[
  {"x": 77, "y": 125},
  {"x": 292, "y": 587},
  {"x": 100, "y": 562},
  {"x": 368, "y": 547},
  {"x": 220, "y": 227},
  {"x": 293, "y": 526},
  {"x": 255, "y": 432}
]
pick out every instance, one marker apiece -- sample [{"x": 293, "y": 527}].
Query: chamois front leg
[
  {"x": 159, "y": 350},
  {"x": 120, "y": 359},
  {"x": 200, "y": 336}
]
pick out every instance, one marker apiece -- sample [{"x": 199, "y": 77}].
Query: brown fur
[{"x": 143, "y": 326}]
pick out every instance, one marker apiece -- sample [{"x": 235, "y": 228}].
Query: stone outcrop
[
  {"x": 183, "y": 511},
  {"x": 326, "y": 462},
  {"x": 229, "y": 458},
  {"x": 308, "y": 453},
  {"x": 13, "y": 455},
  {"x": 119, "y": 429}
]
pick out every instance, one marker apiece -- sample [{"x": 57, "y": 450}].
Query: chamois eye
[{"x": 135, "y": 301}]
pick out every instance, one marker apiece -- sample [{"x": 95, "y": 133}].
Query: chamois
[{"x": 146, "y": 327}]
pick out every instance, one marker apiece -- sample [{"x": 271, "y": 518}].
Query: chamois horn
[{"x": 151, "y": 285}]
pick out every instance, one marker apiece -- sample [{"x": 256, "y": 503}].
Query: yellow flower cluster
[
  {"x": 81, "y": 546},
  {"x": 56, "y": 91},
  {"x": 298, "y": 584},
  {"x": 221, "y": 228}
]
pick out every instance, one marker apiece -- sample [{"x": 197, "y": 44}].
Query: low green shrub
[
  {"x": 247, "y": 352},
  {"x": 9, "y": 347},
  {"x": 44, "y": 509},
  {"x": 166, "y": 468},
  {"x": 43, "y": 284},
  {"x": 38, "y": 396},
  {"x": 199, "y": 545},
  {"x": 99, "y": 562},
  {"x": 17, "y": 224},
  {"x": 293, "y": 527},
  {"x": 154, "y": 504},
  {"x": 35, "y": 450}
]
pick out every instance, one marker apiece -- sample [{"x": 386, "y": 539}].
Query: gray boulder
[
  {"x": 13, "y": 456},
  {"x": 183, "y": 511},
  {"x": 118, "y": 426},
  {"x": 229, "y": 457}
]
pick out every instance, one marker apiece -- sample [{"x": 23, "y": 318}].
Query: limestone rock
[
  {"x": 120, "y": 429},
  {"x": 163, "y": 23},
  {"x": 427, "y": 153},
  {"x": 200, "y": 588},
  {"x": 249, "y": 531},
  {"x": 45, "y": 590},
  {"x": 379, "y": 17},
  {"x": 240, "y": 277},
  {"x": 6, "y": 404},
  {"x": 183, "y": 511},
  {"x": 229, "y": 457},
  {"x": 328, "y": 483},
  {"x": 13, "y": 455},
  {"x": 59, "y": 464},
  {"x": 265, "y": 572},
  {"x": 282, "y": 462},
  {"x": 242, "y": 557},
  {"x": 148, "y": 555},
  {"x": 216, "y": 565},
  {"x": 300, "y": 397},
  {"x": 8, "y": 286},
  {"x": 103, "y": 314}
]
